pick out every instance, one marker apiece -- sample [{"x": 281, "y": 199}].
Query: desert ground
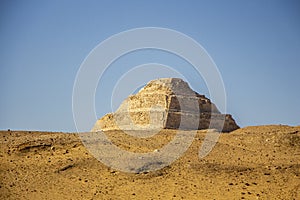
[{"x": 259, "y": 162}]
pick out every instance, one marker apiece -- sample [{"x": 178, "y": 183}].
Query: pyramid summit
[{"x": 166, "y": 103}]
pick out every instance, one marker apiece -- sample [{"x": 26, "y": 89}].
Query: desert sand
[{"x": 260, "y": 162}]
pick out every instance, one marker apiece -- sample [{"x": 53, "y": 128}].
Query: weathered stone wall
[{"x": 166, "y": 103}]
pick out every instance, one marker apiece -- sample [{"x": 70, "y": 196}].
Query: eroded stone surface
[{"x": 166, "y": 103}]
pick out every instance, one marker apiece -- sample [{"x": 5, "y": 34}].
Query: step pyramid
[{"x": 166, "y": 103}]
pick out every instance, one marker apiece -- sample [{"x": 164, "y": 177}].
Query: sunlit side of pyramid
[{"x": 167, "y": 103}]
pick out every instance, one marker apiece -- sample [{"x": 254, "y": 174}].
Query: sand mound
[{"x": 261, "y": 162}]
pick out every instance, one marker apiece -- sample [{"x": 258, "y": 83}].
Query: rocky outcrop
[{"x": 166, "y": 103}]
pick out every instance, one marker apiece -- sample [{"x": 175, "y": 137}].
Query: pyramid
[{"x": 166, "y": 103}]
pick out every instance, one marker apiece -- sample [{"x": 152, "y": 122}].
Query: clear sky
[{"x": 255, "y": 44}]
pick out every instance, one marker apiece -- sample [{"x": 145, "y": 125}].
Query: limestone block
[{"x": 166, "y": 103}]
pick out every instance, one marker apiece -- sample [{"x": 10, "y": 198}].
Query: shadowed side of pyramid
[{"x": 167, "y": 103}]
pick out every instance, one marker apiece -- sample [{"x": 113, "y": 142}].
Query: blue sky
[{"x": 255, "y": 45}]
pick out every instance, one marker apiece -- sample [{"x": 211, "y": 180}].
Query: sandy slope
[{"x": 260, "y": 162}]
